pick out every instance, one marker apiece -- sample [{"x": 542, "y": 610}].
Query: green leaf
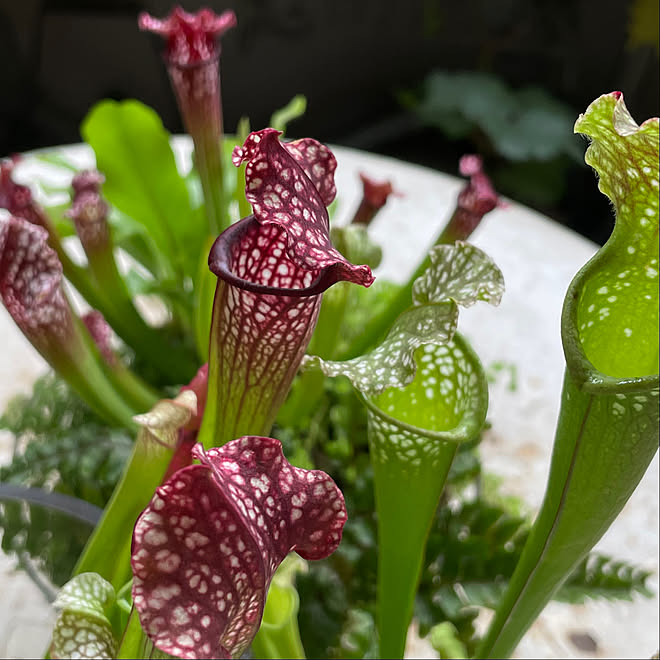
[
  {"x": 153, "y": 450},
  {"x": 63, "y": 444},
  {"x": 523, "y": 125},
  {"x": 607, "y": 431},
  {"x": 600, "y": 576},
  {"x": 295, "y": 108},
  {"x": 437, "y": 398},
  {"x": 82, "y": 629},
  {"x": 133, "y": 151},
  {"x": 355, "y": 243},
  {"x": 278, "y": 635}
]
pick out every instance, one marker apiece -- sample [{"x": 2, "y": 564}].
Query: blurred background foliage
[{"x": 507, "y": 78}]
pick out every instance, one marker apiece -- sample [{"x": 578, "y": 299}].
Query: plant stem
[
  {"x": 86, "y": 375},
  {"x": 108, "y": 550},
  {"x": 598, "y": 459},
  {"x": 134, "y": 643},
  {"x": 208, "y": 161},
  {"x": 405, "y": 504}
]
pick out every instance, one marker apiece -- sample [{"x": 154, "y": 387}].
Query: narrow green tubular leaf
[
  {"x": 425, "y": 391},
  {"x": 82, "y": 629},
  {"x": 413, "y": 437},
  {"x": 607, "y": 431},
  {"x": 108, "y": 549},
  {"x": 203, "y": 306}
]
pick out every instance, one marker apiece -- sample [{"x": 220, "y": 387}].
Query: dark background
[{"x": 57, "y": 57}]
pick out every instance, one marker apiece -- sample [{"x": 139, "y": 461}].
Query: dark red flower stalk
[
  {"x": 89, "y": 213},
  {"x": 272, "y": 268},
  {"x": 101, "y": 333},
  {"x": 31, "y": 290},
  {"x": 131, "y": 386},
  {"x": 206, "y": 548},
  {"x": 374, "y": 197},
  {"x": 192, "y": 55},
  {"x": 477, "y": 198}
]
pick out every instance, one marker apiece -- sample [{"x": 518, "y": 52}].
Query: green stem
[
  {"x": 203, "y": 307},
  {"x": 142, "y": 338},
  {"x": 404, "y": 522},
  {"x": 600, "y": 455},
  {"x": 279, "y": 636},
  {"x": 133, "y": 389},
  {"x": 208, "y": 160},
  {"x": 134, "y": 643},
  {"x": 83, "y": 371},
  {"x": 108, "y": 550}
]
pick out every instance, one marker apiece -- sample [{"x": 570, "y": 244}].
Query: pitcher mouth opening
[{"x": 222, "y": 257}]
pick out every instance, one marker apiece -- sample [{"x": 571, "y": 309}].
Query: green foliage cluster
[
  {"x": 528, "y": 132},
  {"x": 60, "y": 446}
]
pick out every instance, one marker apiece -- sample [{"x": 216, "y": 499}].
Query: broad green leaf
[
  {"x": 523, "y": 125},
  {"x": 459, "y": 274},
  {"x": 82, "y": 629},
  {"x": 133, "y": 151},
  {"x": 607, "y": 431}
]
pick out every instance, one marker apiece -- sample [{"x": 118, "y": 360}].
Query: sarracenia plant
[
  {"x": 190, "y": 556},
  {"x": 607, "y": 431}
]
